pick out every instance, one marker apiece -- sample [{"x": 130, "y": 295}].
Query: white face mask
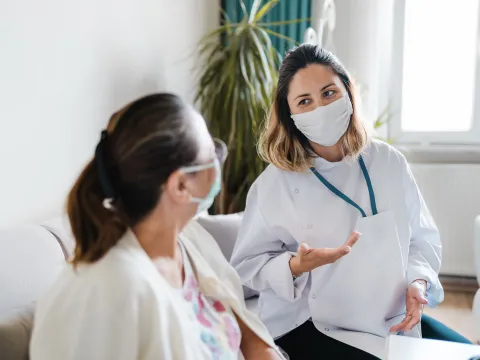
[{"x": 326, "y": 124}]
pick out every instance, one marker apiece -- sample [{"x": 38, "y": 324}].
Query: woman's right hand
[{"x": 308, "y": 259}]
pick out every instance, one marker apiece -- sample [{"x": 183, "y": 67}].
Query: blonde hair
[{"x": 281, "y": 143}]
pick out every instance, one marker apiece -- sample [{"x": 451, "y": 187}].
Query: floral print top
[{"x": 218, "y": 326}]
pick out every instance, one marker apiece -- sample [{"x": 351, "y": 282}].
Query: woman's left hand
[{"x": 415, "y": 303}]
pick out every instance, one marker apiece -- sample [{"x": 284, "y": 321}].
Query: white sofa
[
  {"x": 32, "y": 256},
  {"x": 30, "y": 260}
]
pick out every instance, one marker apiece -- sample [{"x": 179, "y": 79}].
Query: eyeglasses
[
  {"x": 221, "y": 150},
  {"x": 221, "y": 153}
]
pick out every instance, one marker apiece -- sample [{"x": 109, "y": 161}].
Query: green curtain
[{"x": 284, "y": 10}]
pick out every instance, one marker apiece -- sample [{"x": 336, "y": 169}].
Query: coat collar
[{"x": 208, "y": 281}]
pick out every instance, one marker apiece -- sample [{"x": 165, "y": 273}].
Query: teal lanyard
[{"x": 344, "y": 197}]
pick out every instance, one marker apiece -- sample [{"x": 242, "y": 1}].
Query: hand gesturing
[{"x": 415, "y": 302}]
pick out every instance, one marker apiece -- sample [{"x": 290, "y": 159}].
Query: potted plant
[{"x": 235, "y": 87}]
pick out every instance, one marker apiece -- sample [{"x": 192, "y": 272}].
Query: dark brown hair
[
  {"x": 281, "y": 143},
  {"x": 146, "y": 141}
]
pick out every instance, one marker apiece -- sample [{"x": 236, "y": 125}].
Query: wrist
[
  {"x": 294, "y": 266},
  {"x": 422, "y": 283},
  {"x": 262, "y": 351}
]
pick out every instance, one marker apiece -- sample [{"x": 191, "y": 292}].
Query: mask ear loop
[
  {"x": 196, "y": 168},
  {"x": 105, "y": 181}
]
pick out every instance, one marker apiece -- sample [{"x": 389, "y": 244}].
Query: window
[{"x": 436, "y": 82}]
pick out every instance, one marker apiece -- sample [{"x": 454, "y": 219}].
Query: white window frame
[{"x": 422, "y": 139}]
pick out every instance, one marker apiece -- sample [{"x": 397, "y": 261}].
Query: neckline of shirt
[{"x": 322, "y": 164}]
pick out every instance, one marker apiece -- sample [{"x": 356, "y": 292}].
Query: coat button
[
  {"x": 327, "y": 329},
  {"x": 310, "y": 226},
  {"x": 296, "y": 191},
  {"x": 314, "y": 296}
]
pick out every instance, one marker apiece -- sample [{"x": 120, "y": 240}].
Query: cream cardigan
[{"x": 121, "y": 307}]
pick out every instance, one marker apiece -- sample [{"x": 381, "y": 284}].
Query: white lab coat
[{"x": 287, "y": 208}]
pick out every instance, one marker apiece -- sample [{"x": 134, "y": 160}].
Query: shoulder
[
  {"x": 272, "y": 181},
  {"x": 124, "y": 268},
  {"x": 123, "y": 277},
  {"x": 270, "y": 175},
  {"x": 128, "y": 270},
  {"x": 378, "y": 147},
  {"x": 199, "y": 237},
  {"x": 380, "y": 152},
  {"x": 208, "y": 257},
  {"x": 204, "y": 244}
]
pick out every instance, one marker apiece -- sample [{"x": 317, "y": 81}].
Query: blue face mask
[{"x": 205, "y": 203}]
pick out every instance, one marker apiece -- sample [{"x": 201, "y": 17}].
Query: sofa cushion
[
  {"x": 224, "y": 229},
  {"x": 30, "y": 261},
  {"x": 15, "y": 332},
  {"x": 60, "y": 228}
]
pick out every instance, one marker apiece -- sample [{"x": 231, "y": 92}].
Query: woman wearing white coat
[{"x": 335, "y": 230}]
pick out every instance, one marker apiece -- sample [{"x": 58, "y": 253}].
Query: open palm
[
  {"x": 308, "y": 258},
  {"x": 415, "y": 301}
]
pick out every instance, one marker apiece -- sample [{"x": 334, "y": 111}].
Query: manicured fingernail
[
  {"x": 347, "y": 249},
  {"x": 358, "y": 233}
]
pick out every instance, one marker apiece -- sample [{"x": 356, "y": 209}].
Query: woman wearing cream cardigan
[{"x": 136, "y": 288}]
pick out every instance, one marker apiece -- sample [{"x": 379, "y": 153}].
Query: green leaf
[
  {"x": 282, "y": 36},
  {"x": 233, "y": 114},
  {"x": 286, "y": 22},
  {"x": 244, "y": 9},
  {"x": 241, "y": 191},
  {"x": 384, "y": 117},
  {"x": 243, "y": 69},
  {"x": 228, "y": 22},
  {"x": 272, "y": 52},
  {"x": 255, "y": 17},
  {"x": 260, "y": 52},
  {"x": 253, "y": 10}
]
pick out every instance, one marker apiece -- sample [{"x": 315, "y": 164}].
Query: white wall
[
  {"x": 362, "y": 39},
  {"x": 452, "y": 195},
  {"x": 65, "y": 66}
]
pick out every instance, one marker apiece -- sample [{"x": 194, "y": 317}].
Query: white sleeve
[
  {"x": 260, "y": 257},
  {"x": 425, "y": 252}
]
